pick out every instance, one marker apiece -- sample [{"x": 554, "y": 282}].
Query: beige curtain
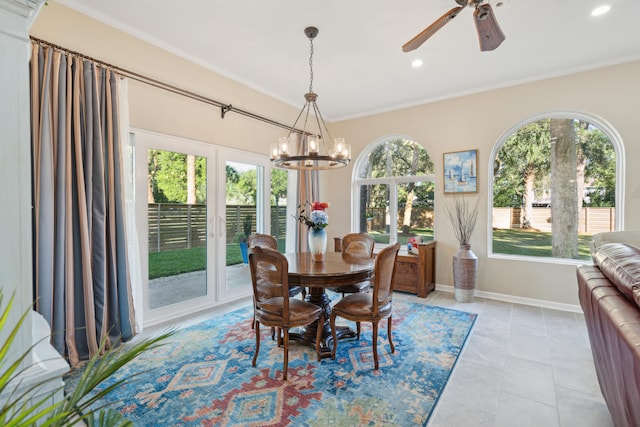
[
  {"x": 81, "y": 275},
  {"x": 308, "y": 191}
]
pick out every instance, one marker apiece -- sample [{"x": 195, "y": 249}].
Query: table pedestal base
[{"x": 307, "y": 335}]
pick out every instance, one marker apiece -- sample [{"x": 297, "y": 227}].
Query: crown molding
[{"x": 26, "y": 8}]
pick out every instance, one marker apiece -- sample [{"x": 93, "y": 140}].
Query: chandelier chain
[
  {"x": 306, "y": 150},
  {"x": 311, "y": 66}
]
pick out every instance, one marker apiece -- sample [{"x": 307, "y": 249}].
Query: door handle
[
  {"x": 223, "y": 226},
  {"x": 212, "y": 230}
]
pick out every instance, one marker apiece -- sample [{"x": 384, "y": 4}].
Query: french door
[
  {"x": 243, "y": 210},
  {"x": 195, "y": 202}
]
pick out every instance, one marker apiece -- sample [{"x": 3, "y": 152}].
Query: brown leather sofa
[{"x": 609, "y": 293}]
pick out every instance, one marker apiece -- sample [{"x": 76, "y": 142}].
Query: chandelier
[{"x": 306, "y": 149}]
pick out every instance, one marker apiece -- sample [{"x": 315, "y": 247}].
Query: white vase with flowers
[{"x": 314, "y": 216}]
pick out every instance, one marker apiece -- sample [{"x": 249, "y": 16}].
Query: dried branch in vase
[{"x": 463, "y": 217}]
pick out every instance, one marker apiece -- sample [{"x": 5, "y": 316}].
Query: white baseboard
[{"x": 518, "y": 300}]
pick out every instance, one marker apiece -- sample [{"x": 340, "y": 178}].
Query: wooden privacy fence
[
  {"x": 592, "y": 220},
  {"x": 421, "y": 217},
  {"x": 182, "y": 226}
]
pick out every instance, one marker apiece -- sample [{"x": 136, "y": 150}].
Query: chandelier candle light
[
  {"x": 316, "y": 221},
  {"x": 306, "y": 149}
]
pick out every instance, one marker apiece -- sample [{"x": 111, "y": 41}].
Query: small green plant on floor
[{"x": 83, "y": 403}]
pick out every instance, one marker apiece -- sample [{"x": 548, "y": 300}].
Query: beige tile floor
[{"x": 521, "y": 366}]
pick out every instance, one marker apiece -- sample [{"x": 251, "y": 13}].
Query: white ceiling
[{"x": 359, "y": 67}]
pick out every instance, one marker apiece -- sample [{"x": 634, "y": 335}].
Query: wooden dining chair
[
  {"x": 370, "y": 307},
  {"x": 264, "y": 240},
  {"x": 267, "y": 241},
  {"x": 358, "y": 245},
  {"x": 272, "y": 304}
]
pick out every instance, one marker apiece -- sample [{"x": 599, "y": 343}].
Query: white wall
[
  {"x": 478, "y": 121},
  {"x": 475, "y": 121},
  {"x": 161, "y": 111},
  {"x": 43, "y": 367},
  {"x": 15, "y": 167}
]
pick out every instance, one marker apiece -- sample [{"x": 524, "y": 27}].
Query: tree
[
  {"x": 169, "y": 178},
  {"x": 564, "y": 194},
  {"x": 599, "y": 159},
  {"x": 408, "y": 206},
  {"x": 396, "y": 157},
  {"x": 242, "y": 191},
  {"x": 523, "y": 159},
  {"x": 568, "y": 159},
  {"x": 279, "y": 186},
  {"x": 151, "y": 175},
  {"x": 191, "y": 179}
]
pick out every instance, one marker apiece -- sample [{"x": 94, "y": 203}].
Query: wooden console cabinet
[{"x": 415, "y": 274}]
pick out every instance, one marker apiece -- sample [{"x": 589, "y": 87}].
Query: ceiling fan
[{"x": 489, "y": 33}]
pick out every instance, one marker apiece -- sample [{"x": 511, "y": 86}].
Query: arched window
[
  {"x": 557, "y": 180},
  {"x": 393, "y": 191}
]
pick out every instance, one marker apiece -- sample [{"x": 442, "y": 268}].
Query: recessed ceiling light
[
  {"x": 600, "y": 10},
  {"x": 416, "y": 63}
]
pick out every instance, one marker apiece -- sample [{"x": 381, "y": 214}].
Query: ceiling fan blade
[
  {"x": 490, "y": 35},
  {"x": 417, "y": 41}
]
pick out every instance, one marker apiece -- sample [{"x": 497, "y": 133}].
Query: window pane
[
  {"x": 397, "y": 157},
  {"x": 279, "y": 179},
  {"x": 177, "y": 218},
  {"x": 374, "y": 211},
  {"x": 415, "y": 211},
  {"x": 553, "y": 187},
  {"x": 395, "y": 186}
]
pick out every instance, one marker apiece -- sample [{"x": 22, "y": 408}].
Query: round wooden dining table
[{"x": 337, "y": 269}]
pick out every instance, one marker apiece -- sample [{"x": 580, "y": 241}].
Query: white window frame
[
  {"x": 356, "y": 182},
  {"x": 618, "y": 146}
]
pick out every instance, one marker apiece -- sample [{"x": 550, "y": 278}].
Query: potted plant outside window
[{"x": 247, "y": 225}]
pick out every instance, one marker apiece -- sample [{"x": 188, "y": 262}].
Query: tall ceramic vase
[
  {"x": 317, "y": 244},
  {"x": 465, "y": 268}
]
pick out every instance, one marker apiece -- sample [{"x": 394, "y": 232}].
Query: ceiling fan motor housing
[{"x": 470, "y": 3}]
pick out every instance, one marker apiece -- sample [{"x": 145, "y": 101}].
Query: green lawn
[
  {"x": 382, "y": 237},
  {"x": 169, "y": 263},
  {"x": 513, "y": 242},
  {"x": 532, "y": 243}
]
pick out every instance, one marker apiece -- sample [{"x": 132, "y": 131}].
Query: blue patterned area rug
[{"x": 203, "y": 375}]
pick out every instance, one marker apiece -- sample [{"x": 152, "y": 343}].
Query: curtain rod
[{"x": 224, "y": 108}]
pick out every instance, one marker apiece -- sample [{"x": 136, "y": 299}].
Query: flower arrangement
[
  {"x": 313, "y": 215},
  {"x": 412, "y": 244}
]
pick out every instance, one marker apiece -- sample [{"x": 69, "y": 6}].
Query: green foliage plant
[
  {"x": 240, "y": 237},
  {"x": 247, "y": 225},
  {"x": 83, "y": 404}
]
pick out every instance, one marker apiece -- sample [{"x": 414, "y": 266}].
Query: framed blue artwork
[{"x": 460, "y": 172}]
